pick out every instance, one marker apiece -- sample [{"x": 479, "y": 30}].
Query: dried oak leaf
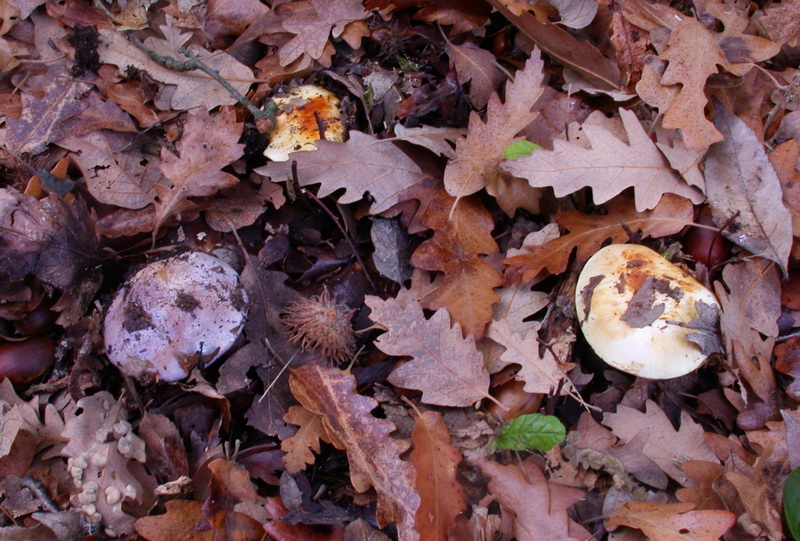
[
  {"x": 43, "y": 119},
  {"x": 208, "y": 144},
  {"x": 481, "y": 151},
  {"x": 663, "y": 443},
  {"x": 672, "y": 521},
  {"x": 780, "y": 22},
  {"x": 541, "y": 373},
  {"x": 54, "y": 241},
  {"x": 183, "y": 520},
  {"x": 588, "y": 232},
  {"x": 298, "y": 448},
  {"x": 458, "y": 241},
  {"x": 192, "y": 88},
  {"x": 537, "y": 508},
  {"x": 436, "y": 462},
  {"x": 313, "y": 26},
  {"x": 478, "y": 67},
  {"x": 362, "y": 164},
  {"x": 463, "y": 15},
  {"x": 102, "y": 453},
  {"x": 117, "y": 169},
  {"x": 230, "y": 485},
  {"x": 609, "y": 166},
  {"x": 373, "y": 454},
  {"x": 20, "y": 419},
  {"x": 744, "y": 192},
  {"x": 445, "y": 366}
]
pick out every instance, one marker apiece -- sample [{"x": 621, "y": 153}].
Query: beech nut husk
[{"x": 24, "y": 361}]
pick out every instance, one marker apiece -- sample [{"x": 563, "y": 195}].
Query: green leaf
[
  {"x": 791, "y": 503},
  {"x": 531, "y": 431},
  {"x": 520, "y": 149}
]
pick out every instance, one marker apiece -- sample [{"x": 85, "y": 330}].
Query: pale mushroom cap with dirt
[
  {"x": 174, "y": 314},
  {"x": 634, "y": 306}
]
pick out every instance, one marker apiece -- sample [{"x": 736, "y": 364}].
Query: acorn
[{"x": 24, "y": 361}]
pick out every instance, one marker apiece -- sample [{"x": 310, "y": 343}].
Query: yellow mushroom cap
[
  {"x": 302, "y": 114},
  {"x": 631, "y": 302}
]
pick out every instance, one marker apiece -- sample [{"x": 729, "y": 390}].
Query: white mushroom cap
[
  {"x": 632, "y": 305},
  {"x": 302, "y": 114},
  {"x": 174, "y": 313}
]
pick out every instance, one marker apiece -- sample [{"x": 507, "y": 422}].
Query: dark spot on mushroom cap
[
  {"x": 186, "y": 302},
  {"x": 136, "y": 318}
]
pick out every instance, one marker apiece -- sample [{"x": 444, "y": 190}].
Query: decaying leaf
[
  {"x": 608, "y": 167},
  {"x": 362, "y": 164},
  {"x": 673, "y": 521},
  {"x": 194, "y": 88},
  {"x": 208, "y": 144},
  {"x": 587, "y": 233},
  {"x": 745, "y": 192},
  {"x": 664, "y": 442},
  {"x": 478, "y": 67},
  {"x": 436, "y": 463},
  {"x": 537, "y": 508},
  {"x": 445, "y": 366},
  {"x": 458, "y": 242},
  {"x": 373, "y": 454},
  {"x": 482, "y": 149}
]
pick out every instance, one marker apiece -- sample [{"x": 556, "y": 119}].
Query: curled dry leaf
[{"x": 372, "y": 452}]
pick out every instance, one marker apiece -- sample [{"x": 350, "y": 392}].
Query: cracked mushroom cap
[
  {"x": 644, "y": 315},
  {"x": 304, "y": 115},
  {"x": 173, "y": 314}
]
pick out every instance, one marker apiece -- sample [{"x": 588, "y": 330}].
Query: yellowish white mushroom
[
  {"x": 304, "y": 115},
  {"x": 644, "y": 315}
]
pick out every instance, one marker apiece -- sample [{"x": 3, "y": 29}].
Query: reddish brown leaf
[
  {"x": 283, "y": 531},
  {"x": 373, "y": 453},
  {"x": 436, "y": 462},
  {"x": 182, "y": 521},
  {"x": 464, "y": 15},
  {"x": 43, "y": 120},
  {"x": 208, "y": 144},
  {"x": 538, "y": 509},
  {"x": 477, "y": 67},
  {"x": 587, "y": 233},
  {"x": 445, "y": 366},
  {"x": 455, "y": 248},
  {"x": 672, "y": 521},
  {"x": 299, "y": 447},
  {"x": 230, "y": 484}
]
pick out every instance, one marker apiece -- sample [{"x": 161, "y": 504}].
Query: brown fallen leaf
[
  {"x": 780, "y": 22},
  {"x": 192, "y": 88},
  {"x": 373, "y": 454},
  {"x": 588, "y": 232},
  {"x": 784, "y": 158},
  {"x": 56, "y": 242},
  {"x": 362, "y": 164},
  {"x": 581, "y": 56},
  {"x": 182, "y": 521},
  {"x": 230, "y": 485},
  {"x": 445, "y": 366},
  {"x": 744, "y": 191},
  {"x": 43, "y": 120},
  {"x": 298, "y": 448},
  {"x": 207, "y": 145},
  {"x": 478, "y": 67},
  {"x": 608, "y": 167},
  {"x": 463, "y": 15},
  {"x": 436, "y": 462},
  {"x": 665, "y": 446},
  {"x": 480, "y": 152},
  {"x": 672, "y": 521},
  {"x": 537, "y": 508},
  {"x": 458, "y": 242}
]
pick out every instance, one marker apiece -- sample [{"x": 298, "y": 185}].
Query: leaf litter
[{"x": 493, "y": 148}]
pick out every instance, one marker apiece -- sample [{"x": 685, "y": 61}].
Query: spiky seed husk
[{"x": 321, "y": 324}]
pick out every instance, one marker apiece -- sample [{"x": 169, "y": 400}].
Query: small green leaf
[
  {"x": 791, "y": 503},
  {"x": 531, "y": 431},
  {"x": 520, "y": 149}
]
